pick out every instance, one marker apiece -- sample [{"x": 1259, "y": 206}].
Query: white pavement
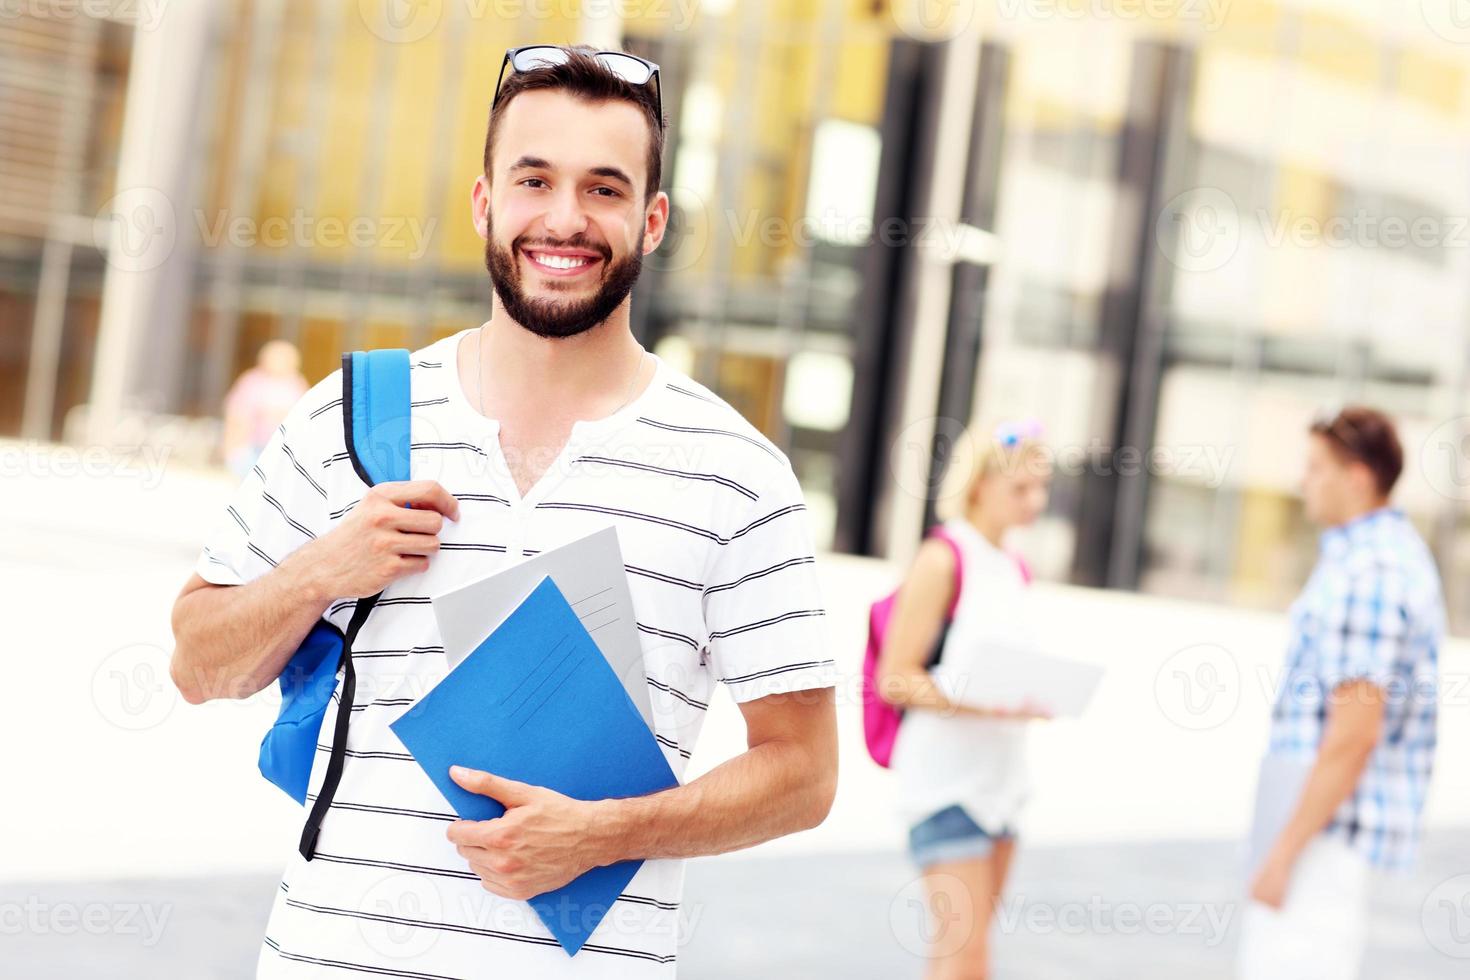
[{"x": 123, "y": 779}]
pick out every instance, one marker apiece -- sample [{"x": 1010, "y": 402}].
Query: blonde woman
[{"x": 961, "y": 767}]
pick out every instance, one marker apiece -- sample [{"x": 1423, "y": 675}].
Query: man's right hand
[{"x": 390, "y": 533}]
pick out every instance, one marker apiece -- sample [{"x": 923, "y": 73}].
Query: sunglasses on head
[{"x": 629, "y": 67}]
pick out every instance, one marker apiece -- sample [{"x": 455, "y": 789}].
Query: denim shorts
[{"x": 952, "y": 835}]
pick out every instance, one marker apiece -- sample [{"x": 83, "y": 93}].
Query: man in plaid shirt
[{"x": 1353, "y": 727}]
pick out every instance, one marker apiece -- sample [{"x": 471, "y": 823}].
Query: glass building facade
[{"x": 1170, "y": 238}]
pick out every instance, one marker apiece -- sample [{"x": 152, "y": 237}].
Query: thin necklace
[{"x": 480, "y": 367}]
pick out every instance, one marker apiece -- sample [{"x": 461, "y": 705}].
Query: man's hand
[
  {"x": 1272, "y": 878},
  {"x": 543, "y": 841},
  {"x": 382, "y": 540}
]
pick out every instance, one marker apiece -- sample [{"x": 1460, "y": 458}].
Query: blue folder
[{"x": 537, "y": 702}]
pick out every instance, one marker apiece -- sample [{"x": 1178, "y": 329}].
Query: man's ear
[
  {"x": 655, "y": 222},
  {"x": 480, "y": 206}
]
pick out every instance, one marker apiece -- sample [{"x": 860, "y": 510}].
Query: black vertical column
[
  {"x": 962, "y": 341},
  {"x": 881, "y": 338},
  {"x": 1132, "y": 321}
]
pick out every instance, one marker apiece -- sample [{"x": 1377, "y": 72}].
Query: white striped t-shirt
[{"x": 719, "y": 558}]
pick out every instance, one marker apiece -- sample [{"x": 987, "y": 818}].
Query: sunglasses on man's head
[{"x": 629, "y": 67}]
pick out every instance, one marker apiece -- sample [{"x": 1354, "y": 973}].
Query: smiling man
[{"x": 544, "y": 424}]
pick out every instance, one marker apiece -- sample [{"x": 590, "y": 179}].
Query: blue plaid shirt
[{"x": 1372, "y": 610}]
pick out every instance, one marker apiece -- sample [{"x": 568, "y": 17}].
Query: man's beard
[{"x": 552, "y": 317}]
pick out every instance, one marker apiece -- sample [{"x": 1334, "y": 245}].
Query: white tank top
[{"x": 978, "y": 763}]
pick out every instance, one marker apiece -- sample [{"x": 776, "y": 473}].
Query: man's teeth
[{"x": 562, "y": 261}]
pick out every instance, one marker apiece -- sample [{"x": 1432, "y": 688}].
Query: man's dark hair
[
  {"x": 587, "y": 78},
  {"x": 1368, "y": 436}
]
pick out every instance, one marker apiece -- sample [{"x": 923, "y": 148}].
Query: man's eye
[
  {"x": 610, "y": 191},
  {"x": 532, "y": 180}
]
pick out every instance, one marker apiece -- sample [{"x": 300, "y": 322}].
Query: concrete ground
[{"x": 1118, "y": 912}]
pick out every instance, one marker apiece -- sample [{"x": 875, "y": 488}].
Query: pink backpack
[{"x": 881, "y": 719}]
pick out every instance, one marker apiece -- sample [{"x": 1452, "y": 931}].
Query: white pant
[{"x": 1318, "y": 932}]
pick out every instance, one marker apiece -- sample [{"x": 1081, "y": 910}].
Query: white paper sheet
[
  {"x": 1012, "y": 676},
  {"x": 590, "y": 573},
  {"x": 1278, "y": 788}
]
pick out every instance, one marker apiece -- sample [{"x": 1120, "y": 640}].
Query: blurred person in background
[
  {"x": 961, "y": 767},
  {"x": 1353, "y": 728},
  {"x": 258, "y": 401}
]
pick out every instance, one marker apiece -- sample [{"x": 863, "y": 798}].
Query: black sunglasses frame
[{"x": 653, "y": 79}]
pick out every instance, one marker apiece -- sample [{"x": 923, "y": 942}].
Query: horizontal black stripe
[
  {"x": 347, "y": 965},
  {"x": 261, "y": 555},
  {"x": 692, "y": 394},
  {"x": 429, "y": 401},
  {"x": 402, "y": 600},
  {"x": 634, "y": 515},
  {"x": 669, "y": 635},
  {"x": 470, "y": 546},
  {"x": 302, "y": 470},
  {"x": 759, "y": 521},
  {"x": 449, "y": 445},
  {"x": 369, "y": 754},
  {"x": 396, "y": 811},
  {"x": 394, "y": 652},
  {"x": 761, "y": 573},
  {"x": 399, "y": 920},
  {"x": 660, "y": 576},
  {"x": 713, "y": 432},
  {"x": 671, "y": 744},
  {"x": 675, "y": 692},
  {"x": 774, "y": 671},
  {"x": 325, "y": 408},
  {"x": 238, "y": 519},
  {"x": 484, "y": 497},
  {"x": 289, "y": 519},
  {"x": 769, "y": 621},
  {"x": 668, "y": 471},
  {"x": 427, "y": 364}
]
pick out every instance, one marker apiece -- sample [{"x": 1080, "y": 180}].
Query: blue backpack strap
[
  {"x": 376, "y": 409},
  {"x": 375, "y": 414}
]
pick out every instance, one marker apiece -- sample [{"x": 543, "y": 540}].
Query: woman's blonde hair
[{"x": 977, "y": 452}]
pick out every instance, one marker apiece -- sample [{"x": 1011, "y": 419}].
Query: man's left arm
[
  {"x": 784, "y": 782},
  {"x": 1354, "y": 725}
]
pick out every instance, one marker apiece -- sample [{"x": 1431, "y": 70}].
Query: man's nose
[{"x": 566, "y": 217}]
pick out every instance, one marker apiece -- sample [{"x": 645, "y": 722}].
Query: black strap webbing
[{"x": 339, "y": 731}]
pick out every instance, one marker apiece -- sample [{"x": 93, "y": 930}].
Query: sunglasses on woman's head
[{"x": 629, "y": 67}]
